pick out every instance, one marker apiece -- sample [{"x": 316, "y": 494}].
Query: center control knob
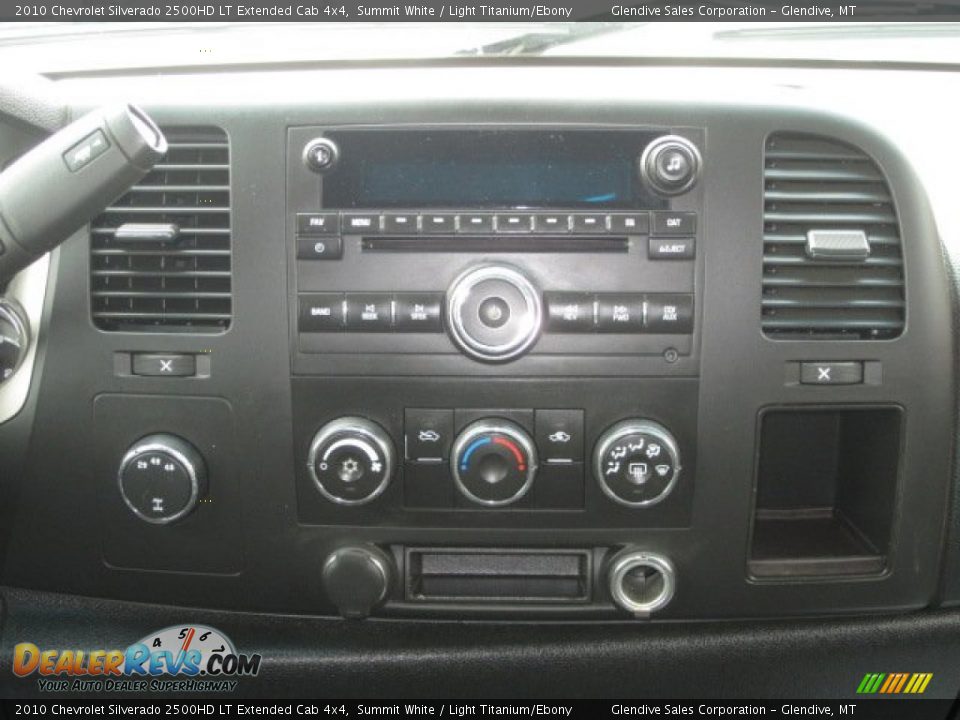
[
  {"x": 494, "y": 462},
  {"x": 494, "y": 312},
  {"x": 351, "y": 460},
  {"x": 637, "y": 463}
]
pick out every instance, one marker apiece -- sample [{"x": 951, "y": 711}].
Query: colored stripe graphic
[{"x": 894, "y": 683}]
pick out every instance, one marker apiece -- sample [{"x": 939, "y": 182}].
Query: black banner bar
[{"x": 856, "y": 709}]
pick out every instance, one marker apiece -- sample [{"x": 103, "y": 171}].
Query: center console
[{"x": 443, "y": 283}]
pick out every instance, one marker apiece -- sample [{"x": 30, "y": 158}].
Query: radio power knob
[
  {"x": 637, "y": 463},
  {"x": 162, "y": 478},
  {"x": 351, "y": 460},
  {"x": 670, "y": 165},
  {"x": 494, "y": 313}
]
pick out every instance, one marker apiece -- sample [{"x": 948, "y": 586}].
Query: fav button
[{"x": 318, "y": 223}]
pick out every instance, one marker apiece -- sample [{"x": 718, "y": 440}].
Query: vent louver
[
  {"x": 163, "y": 285},
  {"x": 813, "y": 183}
]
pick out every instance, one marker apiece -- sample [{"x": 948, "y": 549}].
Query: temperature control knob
[
  {"x": 351, "y": 460},
  {"x": 161, "y": 478},
  {"x": 14, "y": 338},
  {"x": 494, "y": 462},
  {"x": 637, "y": 463},
  {"x": 670, "y": 165}
]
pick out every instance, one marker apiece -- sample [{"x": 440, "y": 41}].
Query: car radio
[
  {"x": 447, "y": 282},
  {"x": 491, "y": 244}
]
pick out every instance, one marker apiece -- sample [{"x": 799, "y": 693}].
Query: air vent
[
  {"x": 160, "y": 255},
  {"x": 822, "y": 198}
]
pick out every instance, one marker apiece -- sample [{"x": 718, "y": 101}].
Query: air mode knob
[
  {"x": 351, "y": 460},
  {"x": 637, "y": 463},
  {"x": 162, "y": 478},
  {"x": 493, "y": 462},
  {"x": 494, "y": 312},
  {"x": 670, "y": 165}
]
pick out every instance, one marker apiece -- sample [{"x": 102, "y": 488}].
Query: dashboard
[{"x": 503, "y": 346}]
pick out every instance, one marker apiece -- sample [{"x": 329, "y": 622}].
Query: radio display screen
[{"x": 402, "y": 168}]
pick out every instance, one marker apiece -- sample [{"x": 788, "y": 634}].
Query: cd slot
[{"x": 496, "y": 243}]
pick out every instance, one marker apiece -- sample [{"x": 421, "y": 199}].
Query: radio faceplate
[{"x": 379, "y": 237}]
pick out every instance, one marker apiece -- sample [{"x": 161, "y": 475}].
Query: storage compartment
[
  {"x": 826, "y": 491},
  {"x": 491, "y": 575}
]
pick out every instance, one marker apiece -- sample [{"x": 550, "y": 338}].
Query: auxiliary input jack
[{"x": 641, "y": 582}]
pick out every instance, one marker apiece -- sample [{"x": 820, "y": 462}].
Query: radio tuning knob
[
  {"x": 637, "y": 463},
  {"x": 670, "y": 165},
  {"x": 493, "y": 462},
  {"x": 351, "y": 460},
  {"x": 162, "y": 478}
]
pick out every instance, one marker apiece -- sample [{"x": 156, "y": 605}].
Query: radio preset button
[
  {"x": 669, "y": 314},
  {"x": 671, "y": 248},
  {"x": 569, "y": 312},
  {"x": 589, "y": 223},
  {"x": 418, "y": 312},
  {"x": 321, "y": 312},
  {"x": 438, "y": 223},
  {"x": 400, "y": 223},
  {"x": 620, "y": 313},
  {"x": 518, "y": 222},
  {"x": 548, "y": 223},
  {"x": 369, "y": 312},
  {"x": 476, "y": 223},
  {"x": 674, "y": 223},
  {"x": 630, "y": 223},
  {"x": 319, "y": 248},
  {"x": 327, "y": 223},
  {"x": 361, "y": 223}
]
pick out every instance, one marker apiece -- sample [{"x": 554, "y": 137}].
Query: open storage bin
[{"x": 826, "y": 491}]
